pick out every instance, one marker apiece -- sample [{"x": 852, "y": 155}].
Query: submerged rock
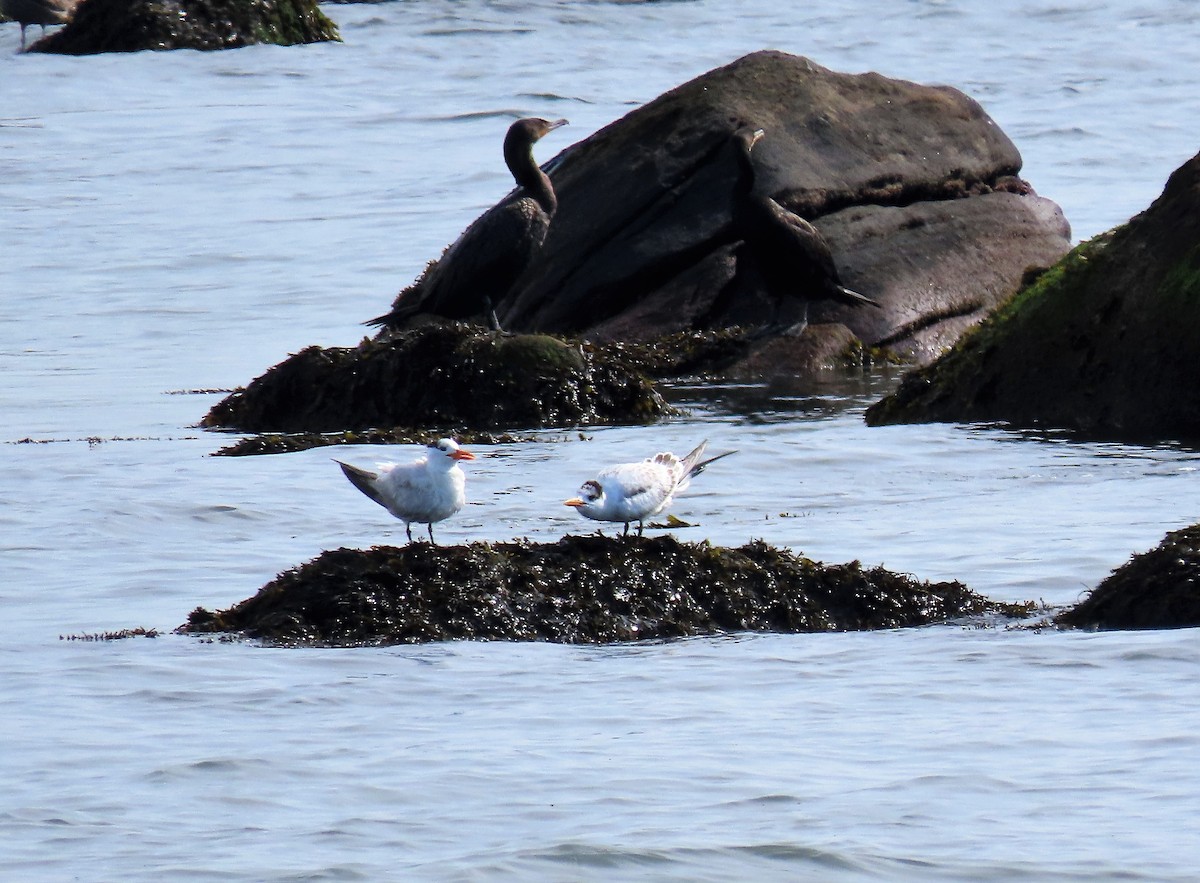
[
  {"x": 914, "y": 186},
  {"x": 134, "y": 25},
  {"x": 1104, "y": 343},
  {"x": 589, "y": 589},
  {"x": 442, "y": 376},
  {"x": 1158, "y": 589}
]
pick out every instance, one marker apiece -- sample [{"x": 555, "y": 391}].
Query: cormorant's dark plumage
[
  {"x": 37, "y": 12},
  {"x": 791, "y": 254},
  {"x": 478, "y": 270}
]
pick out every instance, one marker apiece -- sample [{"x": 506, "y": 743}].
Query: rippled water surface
[{"x": 175, "y": 223}]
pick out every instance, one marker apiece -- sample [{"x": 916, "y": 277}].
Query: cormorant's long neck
[
  {"x": 745, "y": 180},
  {"x": 518, "y": 156}
]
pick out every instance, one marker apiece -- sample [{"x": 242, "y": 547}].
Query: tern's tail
[
  {"x": 363, "y": 479},
  {"x": 703, "y": 464},
  {"x": 692, "y": 463}
]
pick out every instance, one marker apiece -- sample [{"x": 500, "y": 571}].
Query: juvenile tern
[
  {"x": 637, "y": 491},
  {"x": 429, "y": 489}
]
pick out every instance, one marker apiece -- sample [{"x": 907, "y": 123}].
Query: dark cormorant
[
  {"x": 37, "y": 12},
  {"x": 478, "y": 270},
  {"x": 792, "y": 255}
]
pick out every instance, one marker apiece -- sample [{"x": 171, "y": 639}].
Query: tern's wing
[{"x": 638, "y": 489}]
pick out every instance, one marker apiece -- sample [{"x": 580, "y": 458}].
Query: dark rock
[
  {"x": 589, "y": 589},
  {"x": 1104, "y": 343},
  {"x": 134, "y": 25},
  {"x": 1158, "y": 589},
  {"x": 913, "y": 186},
  {"x": 442, "y": 376}
]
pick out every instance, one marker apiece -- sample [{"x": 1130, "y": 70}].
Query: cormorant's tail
[{"x": 854, "y": 297}]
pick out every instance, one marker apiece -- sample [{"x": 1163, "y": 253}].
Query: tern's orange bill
[
  {"x": 574, "y": 501},
  {"x": 462, "y": 454}
]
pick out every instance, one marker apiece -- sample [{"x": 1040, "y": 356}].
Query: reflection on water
[{"x": 830, "y": 393}]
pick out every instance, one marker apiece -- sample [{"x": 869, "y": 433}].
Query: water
[{"x": 179, "y": 222}]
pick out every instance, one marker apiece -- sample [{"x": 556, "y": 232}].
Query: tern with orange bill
[{"x": 425, "y": 491}]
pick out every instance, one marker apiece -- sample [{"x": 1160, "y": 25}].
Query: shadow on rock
[{"x": 582, "y": 589}]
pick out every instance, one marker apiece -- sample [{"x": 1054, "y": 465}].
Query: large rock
[
  {"x": 914, "y": 186},
  {"x": 1155, "y": 590},
  {"x": 133, "y": 25},
  {"x": 589, "y": 589},
  {"x": 442, "y": 376},
  {"x": 1105, "y": 343}
]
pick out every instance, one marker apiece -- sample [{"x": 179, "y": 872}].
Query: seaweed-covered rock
[
  {"x": 914, "y": 186},
  {"x": 589, "y": 589},
  {"x": 447, "y": 375},
  {"x": 290, "y": 442},
  {"x": 1104, "y": 343},
  {"x": 1158, "y": 589},
  {"x": 134, "y": 25}
]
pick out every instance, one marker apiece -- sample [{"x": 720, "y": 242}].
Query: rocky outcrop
[
  {"x": 1155, "y": 590},
  {"x": 914, "y": 186},
  {"x": 134, "y": 25},
  {"x": 442, "y": 376},
  {"x": 1104, "y": 343},
  {"x": 589, "y": 589}
]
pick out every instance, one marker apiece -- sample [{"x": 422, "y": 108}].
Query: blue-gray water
[{"x": 179, "y": 222}]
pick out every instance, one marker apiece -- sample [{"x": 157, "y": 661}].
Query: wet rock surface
[
  {"x": 914, "y": 186},
  {"x": 582, "y": 589},
  {"x": 443, "y": 376},
  {"x": 134, "y": 25},
  {"x": 1154, "y": 590},
  {"x": 1103, "y": 343}
]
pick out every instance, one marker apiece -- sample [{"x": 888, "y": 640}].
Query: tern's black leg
[
  {"x": 408, "y": 530},
  {"x": 641, "y": 524},
  {"x": 431, "y": 540},
  {"x": 626, "y": 529}
]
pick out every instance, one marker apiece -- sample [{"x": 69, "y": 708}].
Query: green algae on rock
[
  {"x": 1103, "y": 343},
  {"x": 134, "y": 25},
  {"x": 582, "y": 589},
  {"x": 1158, "y": 589},
  {"x": 442, "y": 376}
]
